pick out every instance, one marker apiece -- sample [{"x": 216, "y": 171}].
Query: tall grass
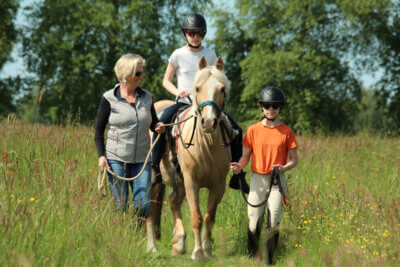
[{"x": 344, "y": 206}]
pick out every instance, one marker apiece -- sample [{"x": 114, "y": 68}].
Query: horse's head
[{"x": 210, "y": 88}]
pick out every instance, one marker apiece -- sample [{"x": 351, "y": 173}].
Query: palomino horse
[{"x": 204, "y": 164}]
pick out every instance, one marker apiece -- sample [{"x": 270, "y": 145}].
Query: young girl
[
  {"x": 184, "y": 63},
  {"x": 268, "y": 142}
]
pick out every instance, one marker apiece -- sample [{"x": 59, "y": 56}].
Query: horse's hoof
[
  {"x": 151, "y": 249},
  {"x": 197, "y": 255},
  {"x": 207, "y": 249},
  {"x": 177, "y": 253},
  {"x": 207, "y": 252},
  {"x": 178, "y": 244}
]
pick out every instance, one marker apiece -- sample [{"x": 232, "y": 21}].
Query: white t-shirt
[{"x": 187, "y": 65}]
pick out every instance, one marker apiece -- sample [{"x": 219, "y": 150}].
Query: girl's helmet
[
  {"x": 194, "y": 21},
  {"x": 272, "y": 94}
]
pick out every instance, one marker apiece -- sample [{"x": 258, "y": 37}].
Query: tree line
[{"x": 314, "y": 50}]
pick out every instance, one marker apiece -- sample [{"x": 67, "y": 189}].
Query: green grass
[{"x": 344, "y": 206}]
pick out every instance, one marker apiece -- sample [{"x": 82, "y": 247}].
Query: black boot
[
  {"x": 272, "y": 237},
  {"x": 252, "y": 243},
  {"x": 155, "y": 174},
  {"x": 238, "y": 179}
]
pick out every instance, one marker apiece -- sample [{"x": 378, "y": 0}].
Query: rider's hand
[
  {"x": 103, "y": 162},
  {"x": 236, "y": 167},
  {"x": 183, "y": 94},
  {"x": 281, "y": 169},
  {"x": 160, "y": 128}
]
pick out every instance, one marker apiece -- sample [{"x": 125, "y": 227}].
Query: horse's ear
[
  {"x": 219, "y": 64},
  {"x": 202, "y": 63}
]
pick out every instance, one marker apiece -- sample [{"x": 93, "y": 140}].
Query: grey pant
[{"x": 259, "y": 186}]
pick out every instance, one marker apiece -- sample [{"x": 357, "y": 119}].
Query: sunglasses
[
  {"x": 193, "y": 33},
  {"x": 274, "y": 105},
  {"x": 139, "y": 73}
]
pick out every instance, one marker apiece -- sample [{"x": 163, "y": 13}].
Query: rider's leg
[
  {"x": 258, "y": 190},
  {"x": 158, "y": 150}
]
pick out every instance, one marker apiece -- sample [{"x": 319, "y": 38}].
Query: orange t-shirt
[{"x": 269, "y": 146}]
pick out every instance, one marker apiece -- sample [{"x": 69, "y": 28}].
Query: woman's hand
[
  {"x": 160, "y": 127},
  {"x": 183, "y": 94},
  {"x": 236, "y": 167},
  {"x": 102, "y": 163}
]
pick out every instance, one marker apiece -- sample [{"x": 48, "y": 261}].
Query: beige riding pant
[{"x": 259, "y": 186}]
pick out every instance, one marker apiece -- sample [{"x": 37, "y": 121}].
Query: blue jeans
[{"x": 140, "y": 186}]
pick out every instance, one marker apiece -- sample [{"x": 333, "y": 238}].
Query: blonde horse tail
[{"x": 157, "y": 197}]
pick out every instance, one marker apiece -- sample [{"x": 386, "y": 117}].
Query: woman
[
  {"x": 129, "y": 111},
  {"x": 269, "y": 143},
  {"x": 184, "y": 63}
]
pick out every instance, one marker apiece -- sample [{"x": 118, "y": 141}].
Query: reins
[{"x": 275, "y": 180}]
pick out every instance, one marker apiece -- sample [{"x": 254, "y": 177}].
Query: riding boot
[
  {"x": 272, "y": 236},
  {"x": 238, "y": 179},
  {"x": 155, "y": 174},
  {"x": 253, "y": 238},
  {"x": 252, "y": 244}
]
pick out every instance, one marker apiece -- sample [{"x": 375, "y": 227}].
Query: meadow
[{"x": 344, "y": 207}]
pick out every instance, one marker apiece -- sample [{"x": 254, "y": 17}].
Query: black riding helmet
[
  {"x": 272, "y": 94},
  {"x": 194, "y": 21}
]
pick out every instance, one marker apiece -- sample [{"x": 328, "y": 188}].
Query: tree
[
  {"x": 305, "y": 48},
  {"x": 378, "y": 25},
  {"x": 72, "y": 47},
  {"x": 8, "y": 32},
  {"x": 8, "y": 36}
]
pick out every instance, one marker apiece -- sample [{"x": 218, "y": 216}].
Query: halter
[{"x": 210, "y": 103}]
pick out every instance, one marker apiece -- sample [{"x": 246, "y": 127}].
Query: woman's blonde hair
[{"x": 126, "y": 66}]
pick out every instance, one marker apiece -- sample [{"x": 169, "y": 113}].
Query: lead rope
[{"x": 102, "y": 179}]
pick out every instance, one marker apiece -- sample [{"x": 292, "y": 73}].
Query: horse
[{"x": 204, "y": 164}]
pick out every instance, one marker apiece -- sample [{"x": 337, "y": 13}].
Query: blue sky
[{"x": 17, "y": 67}]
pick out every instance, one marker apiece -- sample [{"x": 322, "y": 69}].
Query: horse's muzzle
[{"x": 209, "y": 124}]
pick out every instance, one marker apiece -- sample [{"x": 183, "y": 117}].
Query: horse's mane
[{"x": 203, "y": 74}]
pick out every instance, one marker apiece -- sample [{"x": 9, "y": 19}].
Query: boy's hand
[
  {"x": 235, "y": 167},
  {"x": 280, "y": 168}
]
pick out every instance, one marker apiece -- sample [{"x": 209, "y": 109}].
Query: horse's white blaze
[{"x": 209, "y": 115}]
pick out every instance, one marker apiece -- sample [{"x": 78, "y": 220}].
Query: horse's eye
[
  {"x": 197, "y": 89},
  {"x": 223, "y": 90}
]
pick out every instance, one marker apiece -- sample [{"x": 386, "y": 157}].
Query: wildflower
[
  {"x": 19, "y": 201},
  {"x": 165, "y": 202},
  {"x": 32, "y": 199}
]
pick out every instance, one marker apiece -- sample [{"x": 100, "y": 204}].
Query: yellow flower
[
  {"x": 32, "y": 199},
  {"x": 19, "y": 201},
  {"x": 165, "y": 202}
]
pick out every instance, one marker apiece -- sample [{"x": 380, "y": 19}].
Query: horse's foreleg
[
  {"x": 209, "y": 219},
  {"x": 178, "y": 240},
  {"x": 192, "y": 193},
  {"x": 153, "y": 222}
]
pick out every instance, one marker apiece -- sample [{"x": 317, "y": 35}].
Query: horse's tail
[{"x": 157, "y": 197}]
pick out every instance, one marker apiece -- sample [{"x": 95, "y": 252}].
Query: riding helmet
[
  {"x": 194, "y": 21},
  {"x": 272, "y": 94}
]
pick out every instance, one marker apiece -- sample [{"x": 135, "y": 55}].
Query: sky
[{"x": 16, "y": 66}]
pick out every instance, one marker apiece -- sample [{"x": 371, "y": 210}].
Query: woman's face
[
  {"x": 136, "y": 77},
  {"x": 271, "y": 110},
  {"x": 194, "y": 37}
]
